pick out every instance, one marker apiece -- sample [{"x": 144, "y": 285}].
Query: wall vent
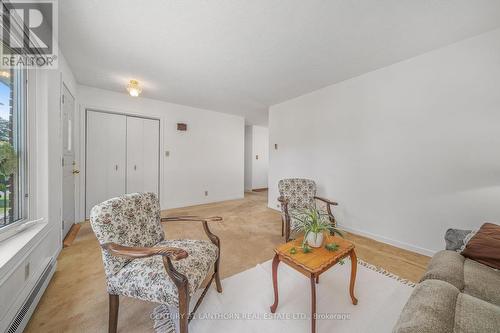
[{"x": 20, "y": 320}]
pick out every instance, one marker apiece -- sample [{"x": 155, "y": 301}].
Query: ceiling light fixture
[{"x": 133, "y": 88}]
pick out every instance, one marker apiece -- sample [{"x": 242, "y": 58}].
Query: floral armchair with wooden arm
[
  {"x": 140, "y": 263},
  {"x": 297, "y": 194}
]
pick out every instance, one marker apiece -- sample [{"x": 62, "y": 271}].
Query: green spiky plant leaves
[
  {"x": 311, "y": 220},
  {"x": 332, "y": 247},
  {"x": 306, "y": 248}
]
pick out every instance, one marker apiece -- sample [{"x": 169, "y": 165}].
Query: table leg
[
  {"x": 276, "y": 261},
  {"x": 317, "y": 279},
  {"x": 313, "y": 304},
  {"x": 354, "y": 267}
]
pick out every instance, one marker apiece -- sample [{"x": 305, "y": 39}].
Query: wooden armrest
[
  {"x": 333, "y": 203},
  {"x": 204, "y": 220},
  {"x": 173, "y": 253},
  {"x": 192, "y": 218}
]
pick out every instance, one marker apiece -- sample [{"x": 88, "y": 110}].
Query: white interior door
[
  {"x": 151, "y": 156},
  {"x": 105, "y": 158},
  {"x": 70, "y": 170},
  {"x": 135, "y": 170},
  {"x": 143, "y": 144}
]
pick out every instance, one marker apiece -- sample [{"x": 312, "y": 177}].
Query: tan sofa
[{"x": 455, "y": 295}]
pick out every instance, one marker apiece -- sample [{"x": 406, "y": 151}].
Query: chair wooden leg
[
  {"x": 183, "y": 309},
  {"x": 181, "y": 282},
  {"x": 282, "y": 228},
  {"x": 217, "y": 276},
  {"x": 287, "y": 230},
  {"x": 114, "y": 303}
]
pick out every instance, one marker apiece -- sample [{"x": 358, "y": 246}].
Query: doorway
[{"x": 70, "y": 170}]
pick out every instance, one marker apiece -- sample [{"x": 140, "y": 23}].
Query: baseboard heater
[{"x": 23, "y": 315}]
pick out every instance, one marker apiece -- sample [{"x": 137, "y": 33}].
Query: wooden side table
[{"x": 312, "y": 265}]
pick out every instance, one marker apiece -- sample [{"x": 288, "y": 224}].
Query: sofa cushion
[
  {"x": 468, "y": 276},
  {"x": 437, "y": 306},
  {"x": 473, "y": 315},
  {"x": 446, "y": 266},
  {"x": 431, "y": 308},
  {"x": 484, "y": 247},
  {"x": 455, "y": 239},
  {"x": 481, "y": 281}
]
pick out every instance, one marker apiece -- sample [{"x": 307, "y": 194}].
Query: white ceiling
[{"x": 241, "y": 56}]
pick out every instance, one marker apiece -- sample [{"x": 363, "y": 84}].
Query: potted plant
[{"x": 314, "y": 224}]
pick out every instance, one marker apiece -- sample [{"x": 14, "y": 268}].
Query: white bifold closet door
[
  {"x": 122, "y": 156},
  {"x": 106, "y": 157},
  {"x": 143, "y": 150}
]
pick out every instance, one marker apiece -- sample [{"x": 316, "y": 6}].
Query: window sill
[{"x": 14, "y": 248}]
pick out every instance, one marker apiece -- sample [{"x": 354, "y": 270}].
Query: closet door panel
[
  {"x": 135, "y": 134},
  {"x": 151, "y": 155},
  {"x": 117, "y": 158},
  {"x": 106, "y": 156}
]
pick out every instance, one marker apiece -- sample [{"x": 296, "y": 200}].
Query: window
[{"x": 13, "y": 147}]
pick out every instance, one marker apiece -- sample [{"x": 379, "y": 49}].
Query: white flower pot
[{"x": 315, "y": 240}]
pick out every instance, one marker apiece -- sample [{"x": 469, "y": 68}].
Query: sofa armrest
[{"x": 446, "y": 266}]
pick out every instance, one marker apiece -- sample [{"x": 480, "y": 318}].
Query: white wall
[
  {"x": 209, "y": 156},
  {"x": 256, "y": 169},
  {"x": 408, "y": 150}
]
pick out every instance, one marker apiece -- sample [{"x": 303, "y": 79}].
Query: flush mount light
[{"x": 133, "y": 88}]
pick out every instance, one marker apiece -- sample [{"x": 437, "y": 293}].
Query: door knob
[{"x": 75, "y": 172}]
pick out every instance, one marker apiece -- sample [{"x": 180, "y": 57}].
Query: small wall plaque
[{"x": 182, "y": 127}]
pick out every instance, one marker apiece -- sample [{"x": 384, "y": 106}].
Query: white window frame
[
  {"x": 25, "y": 160},
  {"x": 28, "y": 164}
]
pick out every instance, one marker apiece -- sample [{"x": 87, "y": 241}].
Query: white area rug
[{"x": 244, "y": 304}]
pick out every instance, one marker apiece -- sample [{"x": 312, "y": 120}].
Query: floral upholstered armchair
[
  {"x": 297, "y": 194},
  {"x": 140, "y": 263}
]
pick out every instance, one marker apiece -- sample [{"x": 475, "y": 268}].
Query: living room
[{"x": 271, "y": 166}]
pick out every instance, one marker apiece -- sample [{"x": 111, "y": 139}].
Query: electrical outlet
[{"x": 206, "y": 193}]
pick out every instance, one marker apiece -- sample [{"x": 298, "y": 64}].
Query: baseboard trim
[
  {"x": 23, "y": 315},
  {"x": 72, "y": 233},
  {"x": 402, "y": 245},
  {"x": 263, "y": 189}
]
